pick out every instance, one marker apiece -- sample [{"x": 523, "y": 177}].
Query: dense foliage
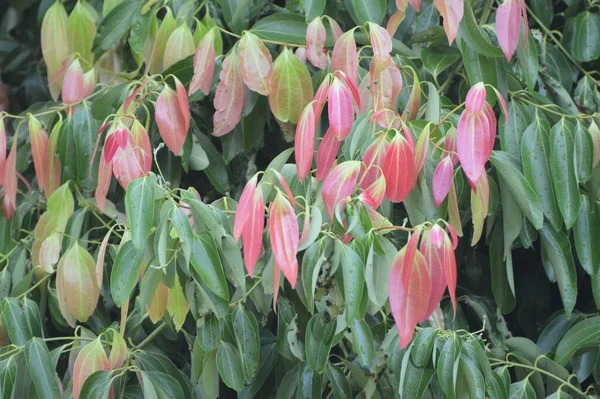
[{"x": 311, "y": 198}]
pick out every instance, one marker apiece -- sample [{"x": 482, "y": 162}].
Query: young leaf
[
  {"x": 256, "y": 64},
  {"x": 230, "y": 98}
]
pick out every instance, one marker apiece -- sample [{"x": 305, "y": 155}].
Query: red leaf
[
  {"x": 90, "y": 359},
  {"x": 253, "y": 230},
  {"x": 409, "y": 302},
  {"x": 304, "y": 141},
  {"x": 256, "y": 64},
  {"x": 341, "y": 113},
  {"x": 204, "y": 64},
  {"x": 395, "y": 21},
  {"x": 244, "y": 208},
  {"x": 72, "y": 89},
  {"x": 409, "y": 256},
  {"x": 386, "y": 85},
  {"x": 339, "y": 185},
  {"x": 416, "y": 4},
  {"x": 381, "y": 42},
  {"x": 230, "y": 98},
  {"x": 351, "y": 86},
  {"x": 472, "y": 144},
  {"x": 285, "y": 237},
  {"x": 508, "y": 26},
  {"x": 285, "y": 186},
  {"x": 434, "y": 259},
  {"x": 115, "y": 140},
  {"x": 172, "y": 116},
  {"x": 373, "y": 160},
  {"x": 450, "y": 145},
  {"x": 141, "y": 141},
  {"x": 326, "y": 154},
  {"x": 315, "y": 43},
  {"x": 475, "y": 98},
  {"x": 374, "y": 194},
  {"x": 39, "y": 149},
  {"x": 442, "y": 180},
  {"x": 129, "y": 163},
  {"x": 450, "y": 271},
  {"x": 398, "y": 169},
  {"x": 344, "y": 56},
  {"x": 104, "y": 176}
]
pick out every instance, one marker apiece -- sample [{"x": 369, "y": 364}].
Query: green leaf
[
  {"x": 309, "y": 383},
  {"x": 557, "y": 249},
  {"x": 522, "y": 390},
  {"x": 535, "y": 153},
  {"x": 436, "y": 59},
  {"x": 473, "y": 377},
  {"x": 236, "y": 14},
  {"x": 114, "y": 26},
  {"x": 585, "y": 230},
  {"x": 585, "y": 95},
  {"x": 584, "y": 153},
  {"x": 581, "y": 334},
  {"x": 501, "y": 288},
  {"x": 479, "y": 68},
  {"x": 41, "y": 369},
  {"x": 209, "y": 333},
  {"x": 354, "y": 283},
  {"x": 447, "y": 365},
  {"x": 363, "y": 11},
  {"x": 287, "y": 28},
  {"x": 563, "y": 170},
  {"x": 416, "y": 381},
  {"x": 8, "y": 377},
  {"x": 245, "y": 329},
  {"x": 124, "y": 274},
  {"x": 528, "y": 59},
  {"x": 587, "y": 36},
  {"x": 362, "y": 342},
  {"x": 229, "y": 365},
  {"x": 339, "y": 383},
  {"x": 423, "y": 346},
  {"x": 155, "y": 362},
  {"x": 519, "y": 118},
  {"x": 14, "y": 320},
  {"x": 377, "y": 271},
  {"x": 139, "y": 206},
  {"x": 474, "y": 36},
  {"x": 554, "y": 331},
  {"x": 216, "y": 171},
  {"x": 559, "y": 94},
  {"x": 165, "y": 385},
  {"x": 530, "y": 204},
  {"x": 207, "y": 264},
  {"x": 496, "y": 388},
  {"x": 319, "y": 338},
  {"x": 97, "y": 385},
  {"x": 268, "y": 358},
  {"x": 233, "y": 263},
  {"x": 140, "y": 29},
  {"x": 314, "y": 8},
  {"x": 312, "y": 260}
]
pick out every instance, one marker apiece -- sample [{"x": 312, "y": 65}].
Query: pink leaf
[
  {"x": 472, "y": 145},
  {"x": 141, "y": 141},
  {"x": 508, "y": 26},
  {"x": 39, "y": 149},
  {"x": 351, "y": 86},
  {"x": 204, "y": 64},
  {"x": 381, "y": 42},
  {"x": 304, "y": 141},
  {"x": 326, "y": 154},
  {"x": 115, "y": 140},
  {"x": 172, "y": 117},
  {"x": 285, "y": 237},
  {"x": 452, "y": 11},
  {"x": 230, "y": 98},
  {"x": 129, "y": 163},
  {"x": 398, "y": 169},
  {"x": 104, "y": 176},
  {"x": 409, "y": 302},
  {"x": 434, "y": 258},
  {"x": 475, "y": 98},
  {"x": 489, "y": 122},
  {"x": 336, "y": 31},
  {"x": 416, "y": 4},
  {"x": 373, "y": 160},
  {"x": 90, "y": 359},
  {"x": 285, "y": 186},
  {"x": 276, "y": 277},
  {"x": 253, "y": 231},
  {"x": 395, "y": 21},
  {"x": 344, "y": 57},
  {"x": 450, "y": 270},
  {"x": 450, "y": 145},
  {"x": 256, "y": 64},
  {"x": 315, "y": 43},
  {"x": 10, "y": 179},
  {"x": 365, "y": 93},
  {"x": 244, "y": 207},
  {"x": 386, "y": 85},
  {"x": 437, "y": 236},
  {"x": 339, "y": 185},
  {"x": 442, "y": 180},
  {"x": 502, "y": 104},
  {"x": 72, "y": 89},
  {"x": 341, "y": 113},
  {"x": 375, "y": 193},
  {"x": 409, "y": 256}
]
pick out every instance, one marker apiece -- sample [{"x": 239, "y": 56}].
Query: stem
[
  {"x": 263, "y": 40},
  {"x": 150, "y": 337},
  {"x": 487, "y": 8},
  {"x": 42, "y": 280}
]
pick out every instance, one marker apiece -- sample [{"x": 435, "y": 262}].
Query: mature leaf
[
  {"x": 41, "y": 369},
  {"x": 124, "y": 274},
  {"x": 229, "y": 365},
  {"x": 139, "y": 207},
  {"x": 207, "y": 264},
  {"x": 115, "y": 25},
  {"x": 245, "y": 328},
  {"x": 363, "y": 11},
  {"x": 578, "y": 336}
]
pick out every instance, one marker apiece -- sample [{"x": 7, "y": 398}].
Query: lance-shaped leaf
[
  {"x": 253, "y": 230},
  {"x": 76, "y": 285},
  {"x": 508, "y": 26},
  {"x": 204, "y": 64},
  {"x": 475, "y": 98},
  {"x": 244, "y": 207},
  {"x": 81, "y": 30},
  {"x": 585, "y": 229},
  {"x": 177, "y": 305},
  {"x": 452, "y": 11},
  {"x": 416, "y": 4},
  {"x": 104, "y": 176},
  {"x": 381, "y": 43},
  {"x": 386, "y": 85},
  {"x": 90, "y": 359},
  {"x": 285, "y": 236},
  {"x": 292, "y": 87},
  {"x": 172, "y": 116},
  {"x": 414, "y": 101},
  {"x": 480, "y": 199},
  {"x": 339, "y": 185},
  {"x": 421, "y": 147},
  {"x": 442, "y": 180},
  {"x": 315, "y": 43},
  {"x": 129, "y": 163},
  {"x": 118, "y": 351},
  {"x": 409, "y": 254},
  {"x": 72, "y": 89},
  {"x": 167, "y": 26},
  {"x": 55, "y": 43},
  {"x": 373, "y": 160},
  {"x": 179, "y": 46},
  {"x": 50, "y": 252},
  {"x": 409, "y": 300},
  {"x": 375, "y": 193},
  {"x": 158, "y": 305},
  {"x": 256, "y": 64},
  {"x": 115, "y": 139},
  {"x": 472, "y": 144},
  {"x": 39, "y": 149},
  {"x": 230, "y": 98},
  {"x": 9, "y": 181},
  {"x": 326, "y": 154},
  {"x": 450, "y": 269},
  {"x": 398, "y": 169},
  {"x": 2, "y": 149},
  {"x": 434, "y": 259},
  {"x": 139, "y": 206},
  {"x": 341, "y": 111},
  {"x": 395, "y": 21},
  {"x": 304, "y": 141},
  {"x": 344, "y": 56},
  {"x": 141, "y": 141},
  {"x": 562, "y": 164}
]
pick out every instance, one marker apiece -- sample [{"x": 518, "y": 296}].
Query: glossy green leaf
[
  {"x": 501, "y": 288},
  {"x": 339, "y": 382},
  {"x": 416, "y": 381},
  {"x": 511, "y": 133},
  {"x": 229, "y": 365},
  {"x": 578, "y": 336},
  {"x": 207, "y": 264},
  {"x": 245, "y": 329},
  {"x": 423, "y": 346},
  {"x": 319, "y": 338},
  {"x": 362, "y": 342},
  {"x": 377, "y": 272},
  {"x": 584, "y": 153},
  {"x": 312, "y": 260},
  {"x": 528, "y": 59},
  {"x": 474, "y": 36},
  {"x": 41, "y": 369},
  {"x": 314, "y": 8},
  {"x": 557, "y": 249},
  {"x": 125, "y": 271},
  {"x": 236, "y": 14},
  {"x": 139, "y": 206},
  {"x": 522, "y": 390},
  {"x": 288, "y": 28},
  {"x": 524, "y": 194},
  {"x": 436, "y": 59},
  {"x": 354, "y": 283},
  {"x": 562, "y": 164},
  {"x": 535, "y": 154},
  {"x": 233, "y": 263},
  {"x": 475, "y": 383},
  {"x": 587, "y": 36},
  {"x": 585, "y": 229},
  {"x": 309, "y": 383},
  {"x": 447, "y": 365},
  {"x": 114, "y": 26},
  {"x": 14, "y": 319},
  {"x": 97, "y": 385},
  {"x": 363, "y": 11}
]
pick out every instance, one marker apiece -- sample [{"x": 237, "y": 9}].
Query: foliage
[{"x": 440, "y": 243}]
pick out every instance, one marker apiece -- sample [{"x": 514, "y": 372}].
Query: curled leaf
[{"x": 285, "y": 237}]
